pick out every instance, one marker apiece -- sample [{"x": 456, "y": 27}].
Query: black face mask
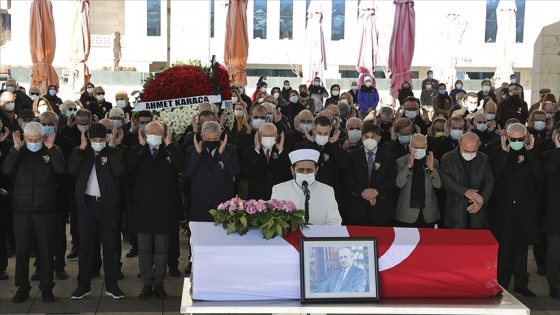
[
  {"x": 385, "y": 125},
  {"x": 211, "y": 145}
]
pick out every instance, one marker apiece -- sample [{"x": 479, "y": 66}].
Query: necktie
[
  {"x": 340, "y": 280},
  {"x": 267, "y": 156},
  {"x": 370, "y": 163},
  {"x": 154, "y": 153}
]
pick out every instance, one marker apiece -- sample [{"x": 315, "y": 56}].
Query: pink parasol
[
  {"x": 314, "y": 55},
  {"x": 401, "y": 49},
  {"x": 368, "y": 35},
  {"x": 80, "y": 45}
]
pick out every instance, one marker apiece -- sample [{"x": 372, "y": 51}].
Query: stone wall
[
  {"x": 546, "y": 62},
  {"x": 107, "y": 16}
]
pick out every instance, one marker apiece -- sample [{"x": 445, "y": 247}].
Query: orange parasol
[
  {"x": 237, "y": 41},
  {"x": 80, "y": 45},
  {"x": 42, "y": 40}
]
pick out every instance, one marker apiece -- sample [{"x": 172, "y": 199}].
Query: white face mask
[
  {"x": 98, "y": 146},
  {"x": 370, "y": 144},
  {"x": 549, "y": 115},
  {"x": 263, "y": 90},
  {"x": 459, "y": 86},
  {"x": 345, "y": 101},
  {"x": 117, "y": 123},
  {"x": 9, "y": 107},
  {"x": 276, "y": 95},
  {"x": 10, "y": 89},
  {"x": 411, "y": 114},
  {"x": 471, "y": 107},
  {"x": 335, "y": 93},
  {"x": 241, "y": 90},
  {"x": 34, "y": 97},
  {"x": 316, "y": 83},
  {"x": 368, "y": 84},
  {"x": 485, "y": 88},
  {"x": 420, "y": 154},
  {"x": 234, "y": 99},
  {"x": 293, "y": 99},
  {"x": 321, "y": 140},
  {"x": 309, "y": 178},
  {"x": 428, "y": 86},
  {"x": 354, "y": 87},
  {"x": 121, "y": 103},
  {"x": 260, "y": 100},
  {"x": 513, "y": 81},
  {"x": 304, "y": 128},
  {"x": 354, "y": 134},
  {"x": 42, "y": 108},
  {"x": 287, "y": 87},
  {"x": 539, "y": 125},
  {"x": 268, "y": 142},
  {"x": 90, "y": 90},
  {"x": 153, "y": 140},
  {"x": 100, "y": 97},
  {"x": 257, "y": 123},
  {"x": 468, "y": 156},
  {"x": 238, "y": 113},
  {"x": 455, "y": 134}
]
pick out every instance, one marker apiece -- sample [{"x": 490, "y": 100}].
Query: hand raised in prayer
[{"x": 223, "y": 145}]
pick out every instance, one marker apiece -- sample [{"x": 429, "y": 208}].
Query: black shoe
[
  {"x": 555, "y": 293},
  {"x": 120, "y": 275},
  {"x": 525, "y": 291},
  {"x": 61, "y": 275},
  {"x": 21, "y": 296},
  {"x": 133, "y": 252},
  {"x": 174, "y": 272},
  {"x": 80, "y": 293},
  {"x": 35, "y": 276},
  {"x": 541, "y": 271},
  {"x": 146, "y": 292},
  {"x": 159, "y": 292},
  {"x": 114, "y": 292},
  {"x": 188, "y": 270},
  {"x": 47, "y": 296},
  {"x": 3, "y": 275},
  {"x": 74, "y": 253}
]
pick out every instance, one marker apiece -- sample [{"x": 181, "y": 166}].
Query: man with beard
[{"x": 513, "y": 107}]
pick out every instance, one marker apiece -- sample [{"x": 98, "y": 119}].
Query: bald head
[
  {"x": 354, "y": 123},
  {"x": 154, "y": 128},
  {"x": 6, "y": 97},
  {"x": 107, "y": 123},
  {"x": 469, "y": 142},
  {"x": 328, "y": 114},
  {"x": 479, "y": 117}
]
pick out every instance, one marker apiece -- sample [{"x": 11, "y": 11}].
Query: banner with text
[{"x": 177, "y": 102}]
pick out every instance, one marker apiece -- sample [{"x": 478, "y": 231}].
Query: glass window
[
  {"x": 519, "y": 20},
  {"x": 286, "y": 19},
  {"x": 307, "y": 2},
  {"x": 491, "y": 21},
  {"x": 259, "y": 19},
  {"x": 154, "y": 18},
  {"x": 338, "y": 10},
  {"x": 211, "y": 18}
]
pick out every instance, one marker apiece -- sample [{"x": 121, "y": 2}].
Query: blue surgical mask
[
  {"x": 459, "y": 86},
  {"x": 490, "y": 116},
  {"x": 482, "y": 127},
  {"x": 48, "y": 129},
  {"x": 404, "y": 139},
  {"x": 52, "y": 92},
  {"x": 455, "y": 134},
  {"x": 442, "y": 92},
  {"x": 142, "y": 127},
  {"x": 34, "y": 147}
]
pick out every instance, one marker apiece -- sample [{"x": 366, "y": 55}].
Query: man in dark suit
[
  {"x": 418, "y": 116},
  {"x": 468, "y": 180},
  {"x": 371, "y": 179},
  {"x": 347, "y": 279},
  {"x": 266, "y": 163},
  {"x": 302, "y": 124}
]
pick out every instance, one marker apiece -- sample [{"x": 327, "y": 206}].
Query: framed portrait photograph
[{"x": 339, "y": 269}]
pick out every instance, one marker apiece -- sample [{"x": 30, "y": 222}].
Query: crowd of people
[{"x": 450, "y": 158}]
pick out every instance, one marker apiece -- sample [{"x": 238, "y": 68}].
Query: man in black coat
[
  {"x": 5, "y": 202},
  {"x": 418, "y": 116},
  {"x": 552, "y": 219},
  {"x": 266, "y": 163},
  {"x": 514, "y": 217},
  {"x": 513, "y": 107},
  {"x": 371, "y": 180},
  {"x": 22, "y": 100},
  {"x": 155, "y": 203},
  {"x": 34, "y": 162},
  {"x": 302, "y": 124},
  {"x": 7, "y": 111},
  {"x": 97, "y": 194}
]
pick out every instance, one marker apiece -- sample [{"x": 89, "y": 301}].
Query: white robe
[{"x": 323, "y": 209}]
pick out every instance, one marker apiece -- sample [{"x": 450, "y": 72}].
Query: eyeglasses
[
  {"x": 481, "y": 122},
  {"x": 516, "y": 139},
  {"x": 35, "y": 94},
  {"x": 101, "y": 93},
  {"x": 72, "y": 109}
]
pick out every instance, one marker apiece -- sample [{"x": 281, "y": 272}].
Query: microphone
[{"x": 305, "y": 187}]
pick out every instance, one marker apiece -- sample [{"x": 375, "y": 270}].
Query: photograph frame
[{"x": 339, "y": 270}]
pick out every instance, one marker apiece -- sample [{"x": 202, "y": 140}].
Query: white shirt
[
  {"x": 92, "y": 187},
  {"x": 323, "y": 209}
]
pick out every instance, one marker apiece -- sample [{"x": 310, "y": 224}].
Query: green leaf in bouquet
[
  {"x": 267, "y": 233},
  {"x": 283, "y": 224},
  {"x": 231, "y": 228},
  {"x": 213, "y": 212},
  {"x": 278, "y": 230},
  {"x": 243, "y": 221}
]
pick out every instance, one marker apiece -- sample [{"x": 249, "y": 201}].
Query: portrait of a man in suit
[{"x": 348, "y": 278}]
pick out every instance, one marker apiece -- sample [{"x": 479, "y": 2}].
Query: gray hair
[
  {"x": 64, "y": 106},
  {"x": 418, "y": 136},
  {"x": 344, "y": 109},
  {"x": 6, "y": 97},
  {"x": 268, "y": 124},
  {"x": 516, "y": 127},
  {"x": 34, "y": 129},
  {"x": 386, "y": 111},
  {"x": 51, "y": 114},
  {"x": 211, "y": 126}
]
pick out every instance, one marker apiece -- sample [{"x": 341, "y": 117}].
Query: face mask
[
  {"x": 482, "y": 127},
  {"x": 468, "y": 156},
  {"x": 354, "y": 87},
  {"x": 420, "y": 154},
  {"x": 547, "y": 115},
  {"x": 257, "y": 123},
  {"x": 516, "y": 145},
  {"x": 234, "y": 99},
  {"x": 490, "y": 116},
  {"x": 34, "y": 97},
  {"x": 109, "y": 137},
  {"x": 345, "y": 101},
  {"x": 268, "y": 142},
  {"x": 117, "y": 123},
  {"x": 404, "y": 139},
  {"x": 459, "y": 86},
  {"x": 354, "y": 134},
  {"x": 471, "y": 107},
  {"x": 153, "y": 140},
  {"x": 81, "y": 127},
  {"x": 270, "y": 117},
  {"x": 121, "y": 103},
  {"x": 142, "y": 127},
  {"x": 263, "y": 90},
  {"x": 9, "y": 107},
  {"x": 485, "y": 88},
  {"x": 515, "y": 97},
  {"x": 442, "y": 92},
  {"x": 34, "y": 147},
  {"x": 238, "y": 113},
  {"x": 286, "y": 87},
  {"x": 23, "y": 125},
  {"x": 211, "y": 145},
  {"x": 335, "y": 92},
  {"x": 368, "y": 84},
  {"x": 70, "y": 113},
  {"x": 370, "y": 144},
  {"x": 100, "y": 97},
  {"x": 42, "y": 109},
  {"x": 406, "y": 87},
  {"x": 264, "y": 80},
  {"x": 455, "y": 134},
  {"x": 316, "y": 83},
  {"x": 90, "y": 90},
  {"x": 276, "y": 95},
  {"x": 321, "y": 140},
  {"x": 428, "y": 87},
  {"x": 48, "y": 129},
  {"x": 304, "y": 128},
  {"x": 539, "y": 125},
  {"x": 411, "y": 114},
  {"x": 293, "y": 99},
  {"x": 440, "y": 134},
  {"x": 10, "y": 89},
  {"x": 98, "y": 146},
  {"x": 241, "y": 90},
  {"x": 431, "y": 75},
  {"x": 309, "y": 178},
  {"x": 52, "y": 92},
  {"x": 260, "y": 100},
  {"x": 513, "y": 81}
]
